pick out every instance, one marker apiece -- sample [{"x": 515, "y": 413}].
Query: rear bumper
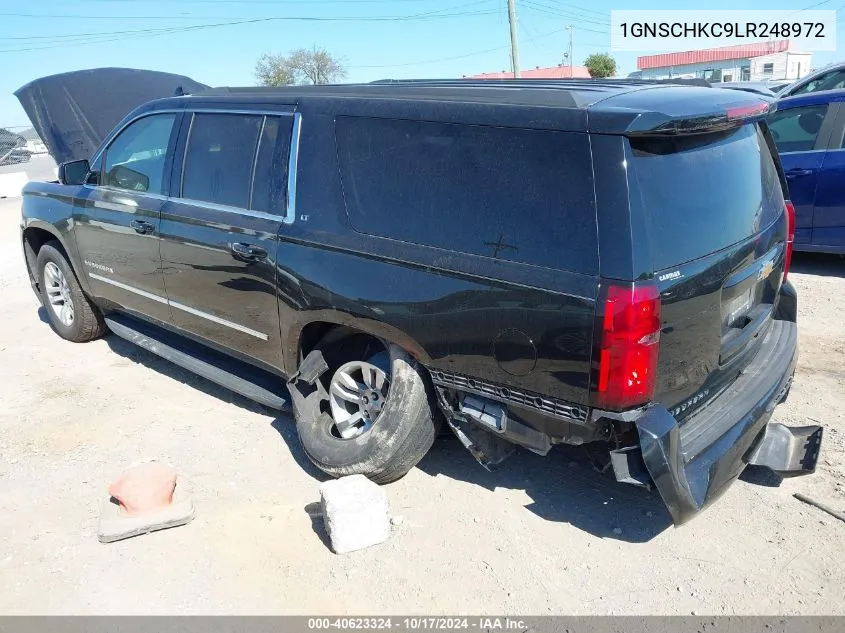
[{"x": 693, "y": 463}]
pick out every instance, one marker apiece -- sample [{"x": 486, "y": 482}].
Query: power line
[
  {"x": 43, "y": 16},
  {"x": 163, "y": 30},
  {"x": 454, "y": 57},
  {"x": 567, "y": 14},
  {"x": 543, "y": 9},
  {"x": 267, "y": 2},
  {"x": 97, "y": 38},
  {"x": 581, "y": 9}
]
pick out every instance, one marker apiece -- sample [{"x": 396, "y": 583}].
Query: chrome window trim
[
  {"x": 110, "y": 189},
  {"x": 227, "y": 209},
  {"x": 290, "y": 212}
]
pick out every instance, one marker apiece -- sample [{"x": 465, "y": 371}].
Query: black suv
[{"x": 532, "y": 262}]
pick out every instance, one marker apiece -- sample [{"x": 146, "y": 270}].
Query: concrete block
[
  {"x": 11, "y": 184},
  {"x": 355, "y": 513}
]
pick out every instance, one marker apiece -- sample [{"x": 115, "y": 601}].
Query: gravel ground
[{"x": 540, "y": 535}]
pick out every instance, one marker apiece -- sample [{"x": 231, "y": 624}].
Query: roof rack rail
[{"x": 534, "y": 81}]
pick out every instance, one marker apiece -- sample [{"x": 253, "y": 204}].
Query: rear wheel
[
  {"x": 373, "y": 414},
  {"x": 70, "y": 312}
]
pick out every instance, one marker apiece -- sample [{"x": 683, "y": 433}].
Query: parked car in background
[
  {"x": 778, "y": 85},
  {"x": 757, "y": 87},
  {"x": 808, "y": 131},
  {"x": 831, "y": 77}
]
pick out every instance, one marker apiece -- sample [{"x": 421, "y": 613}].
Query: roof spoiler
[
  {"x": 700, "y": 124},
  {"x": 677, "y": 110}
]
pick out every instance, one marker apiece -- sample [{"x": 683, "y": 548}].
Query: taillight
[
  {"x": 626, "y": 346},
  {"x": 790, "y": 236}
]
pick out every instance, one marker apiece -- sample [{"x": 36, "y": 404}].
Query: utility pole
[
  {"x": 571, "y": 62},
  {"x": 514, "y": 43}
]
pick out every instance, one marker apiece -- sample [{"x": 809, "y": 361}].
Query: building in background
[
  {"x": 552, "y": 72},
  {"x": 760, "y": 61}
]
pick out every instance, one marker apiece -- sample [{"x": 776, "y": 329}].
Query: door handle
[
  {"x": 798, "y": 172},
  {"x": 142, "y": 227},
  {"x": 247, "y": 252}
]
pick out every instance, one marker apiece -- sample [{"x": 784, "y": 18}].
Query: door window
[
  {"x": 796, "y": 129},
  {"x": 136, "y": 159},
  {"x": 269, "y": 188},
  {"x": 220, "y": 157}
]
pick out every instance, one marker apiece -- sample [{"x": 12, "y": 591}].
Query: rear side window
[
  {"x": 703, "y": 193},
  {"x": 514, "y": 194},
  {"x": 269, "y": 189},
  {"x": 220, "y": 157},
  {"x": 796, "y": 129}
]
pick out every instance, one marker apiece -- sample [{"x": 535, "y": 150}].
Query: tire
[
  {"x": 399, "y": 438},
  {"x": 87, "y": 321}
]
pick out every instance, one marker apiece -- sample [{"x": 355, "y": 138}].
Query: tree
[
  {"x": 302, "y": 66},
  {"x": 600, "y": 65}
]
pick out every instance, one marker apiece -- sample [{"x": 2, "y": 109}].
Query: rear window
[
  {"x": 702, "y": 193},
  {"x": 514, "y": 194}
]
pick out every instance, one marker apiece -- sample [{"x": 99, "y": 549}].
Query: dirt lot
[{"x": 535, "y": 537}]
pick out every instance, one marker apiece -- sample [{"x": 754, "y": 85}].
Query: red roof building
[
  {"x": 756, "y": 61},
  {"x": 552, "y": 72},
  {"x": 723, "y": 53}
]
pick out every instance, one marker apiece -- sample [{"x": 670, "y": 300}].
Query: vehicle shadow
[
  {"x": 141, "y": 356},
  {"x": 820, "y": 264},
  {"x": 286, "y": 428},
  {"x": 563, "y": 486},
  {"x": 761, "y": 476}
]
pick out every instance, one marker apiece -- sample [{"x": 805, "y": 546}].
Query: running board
[{"x": 222, "y": 372}]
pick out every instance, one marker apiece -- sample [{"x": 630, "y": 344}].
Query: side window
[
  {"x": 269, "y": 188},
  {"x": 796, "y": 129},
  {"x": 515, "y": 194},
  {"x": 827, "y": 81},
  {"x": 219, "y": 158},
  {"x": 136, "y": 158}
]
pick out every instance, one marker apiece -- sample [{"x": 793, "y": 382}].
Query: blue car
[{"x": 809, "y": 131}]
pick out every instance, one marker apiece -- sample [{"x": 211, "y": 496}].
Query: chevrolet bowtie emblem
[{"x": 766, "y": 270}]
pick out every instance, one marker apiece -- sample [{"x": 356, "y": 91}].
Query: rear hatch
[{"x": 710, "y": 210}]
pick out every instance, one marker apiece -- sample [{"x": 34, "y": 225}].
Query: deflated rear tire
[
  {"x": 374, "y": 416},
  {"x": 71, "y": 313}
]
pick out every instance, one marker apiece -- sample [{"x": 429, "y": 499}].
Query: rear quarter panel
[{"x": 512, "y": 324}]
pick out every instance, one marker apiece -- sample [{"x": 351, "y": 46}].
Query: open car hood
[{"x": 73, "y": 112}]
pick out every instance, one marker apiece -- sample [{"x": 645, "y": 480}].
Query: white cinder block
[
  {"x": 11, "y": 184},
  {"x": 355, "y": 513}
]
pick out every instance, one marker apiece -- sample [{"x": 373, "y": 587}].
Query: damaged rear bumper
[{"x": 692, "y": 463}]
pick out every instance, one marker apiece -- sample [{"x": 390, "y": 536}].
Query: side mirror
[{"x": 74, "y": 172}]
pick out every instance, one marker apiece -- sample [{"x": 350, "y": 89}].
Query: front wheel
[
  {"x": 375, "y": 414},
  {"x": 71, "y": 313}
]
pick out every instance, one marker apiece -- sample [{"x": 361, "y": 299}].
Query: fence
[
  {"x": 23, "y": 157},
  {"x": 18, "y": 144}
]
